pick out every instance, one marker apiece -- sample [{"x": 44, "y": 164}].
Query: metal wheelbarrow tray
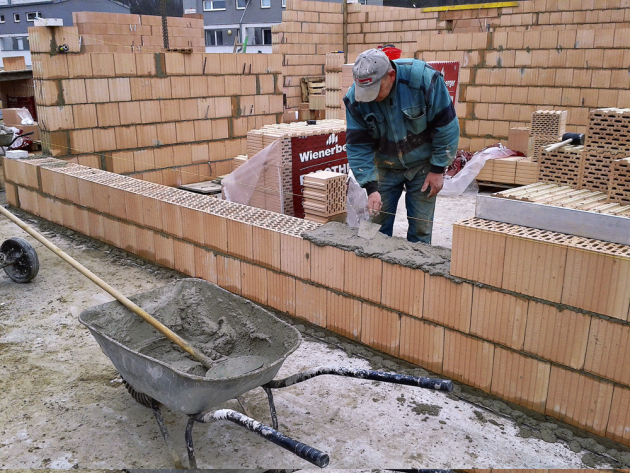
[{"x": 250, "y": 343}]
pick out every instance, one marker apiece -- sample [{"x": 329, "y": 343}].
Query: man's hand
[
  {"x": 374, "y": 203},
  {"x": 433, "y": 180}
]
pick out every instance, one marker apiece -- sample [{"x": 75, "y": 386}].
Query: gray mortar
[{"x": 432, "y": 259}]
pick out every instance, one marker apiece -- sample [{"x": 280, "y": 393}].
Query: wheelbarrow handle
[
  {"x": 302, "y": 450},
  {"x": 20, "y": 136},
  {"x": 422, "y": 382}
]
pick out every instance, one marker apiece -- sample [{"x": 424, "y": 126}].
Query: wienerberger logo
[
  {"x": 336, "y": 149},
  {"x": 332, "y": 139}
]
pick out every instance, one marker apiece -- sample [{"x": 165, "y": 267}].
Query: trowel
[{"x": 368, "y": 229}]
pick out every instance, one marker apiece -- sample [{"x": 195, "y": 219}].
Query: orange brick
[
  {"x": 205, "y": 264},
  {"x": 164, "y": 250},
  {"x": 579, "y": 400},
  {"x": 447, "y": 303},
  {"x": 608, "y": 351},
  {"x": 229, "y": 274},
  {"x": 380, "y": 329},
  {"x": 478, "y": 255},
  {"x": 468, "y": 359},
  {"x": 363, "y": 276},
  {"x": 128, "y": 237},
  {"x": 28, "y": 200},
  {"x": 97, "y": 230},
  {"x": 85, "y": 115},
  {"x": 215, "y": 232},
  {"x": 327, "y": 266},
  {"x": 145, "y": 239},
  {"x": 125, "y": 64},
  {"x": 129, "y": 113},
  {"x": 281, "y": 292},
  {"x": 108, "y": 114},
  {"x": 403, "y": 289},
  {"x": 295, "y": 256},
  {"x": 597, "y": 282},
  {"x": 192, "y": 225},
  {"x": 239, "y": 239},
  {"x": 619, "y": 419},
  {"x": 266, "y": 247},
  {"x": 498, "y": 317},
  {"x": 103, "y": 64},
  {"x": 422, "y": 343},
  {"x": 344, "y": 315},
  {"x": 559, "y": 336},
  {"x": 254, "y": 283},
  {"x": 520, "y": 379},
  {"x": 97, "y": 90},
  {"x": 184, "y": 257},
  {"x": 12, "y": 194},
  {"x": 310, "y": 303},
  {"x": 171, "y": 215},
  {"x": 111, "y": 231}
]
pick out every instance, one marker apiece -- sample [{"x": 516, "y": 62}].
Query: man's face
[{"x": 387, "y": 83}]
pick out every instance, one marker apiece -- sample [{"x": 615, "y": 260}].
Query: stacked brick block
[
  {"x": 561, "y": 165},
  {"x": 519, "y": 321},
  {"x": 325, "y": 195},
  {"x": 170, "y": 118},
  {"x": 547, "y": 128},
  {"x": 334, "y": 103},
  {"x": 619, "y": 190}
]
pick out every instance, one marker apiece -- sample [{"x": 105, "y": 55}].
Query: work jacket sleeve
[
  {"x": 442, "y": 119},
  {"x": 360, "y": 146}
]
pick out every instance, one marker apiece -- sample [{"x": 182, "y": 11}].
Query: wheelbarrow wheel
[
  {"x": 25, "y": 262},
  {"x": 142, "y": 398}
]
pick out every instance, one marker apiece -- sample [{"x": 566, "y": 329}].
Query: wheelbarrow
[
  {"x": 8, "y": 137},
  {"x": 253, "y": 343}
]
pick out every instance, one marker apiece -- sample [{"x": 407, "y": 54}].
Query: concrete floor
[{"x": 63, "y": 405}]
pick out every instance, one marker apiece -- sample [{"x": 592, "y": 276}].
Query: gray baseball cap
[{"x": 369, "y": 68}]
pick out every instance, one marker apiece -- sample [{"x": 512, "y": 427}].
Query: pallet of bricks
[
  {"x": 334, "y": 103},
  {"x": 168, "y": 117},
  {"x": 114, "y": 32},
  {"x": 325, "y": 195}
]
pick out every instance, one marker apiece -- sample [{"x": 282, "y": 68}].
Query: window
[
  {"x": 1, "y": 18},
  {"x": 30, "y": 16},
  {"x": 14, "y": 43},
  {"x": 266, "y": 36},
  {"x": 241, "y": 4},
  {"x": 16, "y": 17},
  {"x": 284, "y": 3},
  {"x": 209, "y": 5},
  {"x": 214, "y": 37},
  {"x": 265, "y": 3}
]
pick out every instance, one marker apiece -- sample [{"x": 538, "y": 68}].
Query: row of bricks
[
  {"x": 182, "y": 175},
  {"x": 70, "y": 66},
  {"x": 600, "y": 406},
  {"x": 544, "y": 266},
  {"x": 309, "y": 28},
  {"x": 300, "y": 48},
  {"x": 125, "y": 89},
  {"x": 93, "y": 29},
  {"x": 309, "y": 38},
  {"x": 576, "y": 116},
  {"x": 495, "y": 129}
]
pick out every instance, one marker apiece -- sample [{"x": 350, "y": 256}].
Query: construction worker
[{"x": 402, "y": 132}]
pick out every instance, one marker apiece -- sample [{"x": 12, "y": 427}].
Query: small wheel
[
  {"x": 26, "y": 265},
  {"x": 138, "y": 396}
]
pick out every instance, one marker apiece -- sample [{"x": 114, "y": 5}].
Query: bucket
[{"x": 391, "y": 52}]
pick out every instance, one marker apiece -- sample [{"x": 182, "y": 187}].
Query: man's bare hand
[
  {"x": 374, "y": 203},
  {"x": 433, "y": 180}
]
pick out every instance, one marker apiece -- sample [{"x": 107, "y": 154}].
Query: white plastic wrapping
[{"x": 356, "y": 203}]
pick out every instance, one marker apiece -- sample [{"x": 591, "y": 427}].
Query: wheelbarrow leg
[
  {"x": 192, "y": 461},
  {"x": 155, "y": 407},
  {"x": 272, "y": 407}
]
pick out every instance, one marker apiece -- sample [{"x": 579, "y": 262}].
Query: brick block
[
  {"x": 125, "y": 64},
  {"x": 215, "y": 232},
  {"x": 295, "y": 256},
  {"x": 97, "y": 90},
  {"x": 380, "y": 329},
  {"x": 477, "y": 254},
  {"x": 499, "y": 317},
  {"x": 266, "y": 247},
  {"x": 12, "y": 194},
  {"x": 108, "y": 114},
  {"x": 363, "y": 276},
  {"x": 281, "y": 292},
  {"x": 73, "y": 91},
  {"x": 184, "y": 257},
  {"x": 619, "y": 420},
  {"x": 310, "y": 303},
  {"x": 579, "y": 400},
  {"x": 141, "y": 88},
  {"x": 468, "y": 359},
  {"x": 164, "y": 250},
  {"x": 97, "y": 229},
  {"x": 85, "y": 115},
  {"x": 126, "y": 137},
  {"x": 111, "y": 231},
  {"x": 422, "y": 343},
  {"x": 145, "y": 239},
  {"x": 520, "y": 379},
  {"x": 403, "y": 289},
  {"x": 150, "y": 111},
  {"x": 205, "y": 264},
  {"x": 128, "y": 237},
  {"x": 608, "y": 352},
  {"x": 130, "y": 113},
  {"x": 171, "y": 215},
  {"x": 344, "y": 315},
  {"x": 103, "y": 64},
  {"x": 28, "y": 200},
  {"x": 145, "y": 64},
  {"x": 229, "y": 274},
  {"x": 254, "y": 283},
  {"x": 79, "y": 65},
  {"x": 327, "y": 266},
  {"x": 447, "y": 303},
  {"x": 239, "y": 239}
]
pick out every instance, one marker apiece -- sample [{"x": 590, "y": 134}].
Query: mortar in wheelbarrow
[{"x": 210, "y": 318}]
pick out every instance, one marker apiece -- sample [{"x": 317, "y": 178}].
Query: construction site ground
[{"x": 63, "y": 404}]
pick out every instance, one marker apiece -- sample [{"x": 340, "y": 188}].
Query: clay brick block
[
  {"x": 327, "y": 266},
  {"x": 103, "y": 64},
  {"x": 164, "y": 250},
  {"x": 111, "y": 231},
  {"x": 468, "y": 359},
  {"x": 79, "y": 65},
  {"x": 499, "y": 317},
  {"x": 295, "y": 256},
  {"x": 520, "y": 379},
  {"x": 97, "y": 90},
  {"x": 85, "y": 115},
  {"x": 130, "y": 113},
  {"x": 229, "y": 274},
  {"x": 128, "y": 240},
  {"x": 12, "y": 194},
  {"x": 363, "y": 276},
  {"x": 344, "y": 315},
  {"x": 608, "y": 352},
  {"x": 97, "y": 230},
  {"x": 108, "y": 114},
  {"x": 171, "y": 215},
  {"x": 422, "y": 343},
  {"x": 215, "y": 232},
  {"x": 205, "y": 264},
  {"x": 254, "y": 283},
  {"x": 192, "y": 225},
  {"x": 597, "y": 282},
  {"x": 380, "y": 328},
  {"x": 281, "y": 292},
  {"x": 125, "y": 64},
  {"x": 239, "y": 239},
  {"x": 28, "y": 200},
  {"x": 559, "y": 336},
  {"x": 73, "y": 91},
  {"x": 478, "y": 255},
  {"x": 81, "y": 220},
  {"x": 310, "y": 303},
  {"x": 125, "y": 137},
  {"x": 619, "y": 419},
  {"x": 579, "y": 400},
  {"x": 266, "y": 247},
  {"x": 403, "y": 289},
  {"x": 447, "y": 303},
  {"x": 145, "y": 239}
]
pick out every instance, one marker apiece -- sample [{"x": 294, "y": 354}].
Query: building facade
[{"x": 17, "y": 15}]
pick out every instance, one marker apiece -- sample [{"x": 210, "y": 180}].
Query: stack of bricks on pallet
[
  {"x": 513, "y": 170},
  {"x": 324, "y": 196},
  {"x": 561, "y": 165},
  {"x": 607, "y": 140},
  {"x": 547, "y": 128},
  {"x": 619, "y": 190},
  {"x": 117, "y": 32},
  {"x": 334, "y": 63},
  {"x": 274, "y": 190},
  {"x": 239, "y": 161},
  {"x": 171, "y": 118}
]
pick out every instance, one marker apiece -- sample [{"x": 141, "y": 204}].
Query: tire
[
  {"x": 26, "y": 266},
  {"x": 142, "y": 398}
]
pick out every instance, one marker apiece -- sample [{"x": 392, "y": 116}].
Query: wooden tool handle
[
  {"x": 549, "y": 149},
  {"x": 160, "y": 327}
]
